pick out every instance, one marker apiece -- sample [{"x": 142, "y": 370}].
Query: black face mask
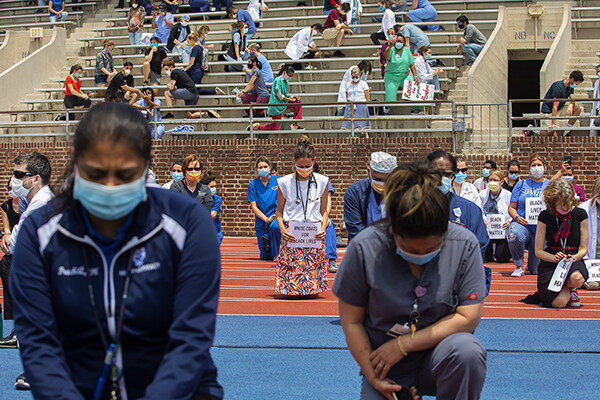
[
  {"x": 250, "y": 65},
  {"x": 461, "y": 26}
]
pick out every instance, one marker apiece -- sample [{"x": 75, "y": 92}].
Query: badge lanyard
[
  {"x": 300, "y": 198},
  {"x": 563, "y": 241},
  {"x": 113, "y": 348},
  {"x": 414, "y": 315}
]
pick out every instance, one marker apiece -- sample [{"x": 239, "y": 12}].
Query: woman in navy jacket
[{"x": 113, "y": 270}]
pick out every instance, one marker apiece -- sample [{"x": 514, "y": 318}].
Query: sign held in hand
[
  {"x": 413, "y": 92},
  {"x": 305, "y": 233}
]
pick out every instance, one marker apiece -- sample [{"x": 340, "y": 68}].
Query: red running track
[{"x": 248, "y": 288}]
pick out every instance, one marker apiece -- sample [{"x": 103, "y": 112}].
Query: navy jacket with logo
[{"x": 169, "y": 317}]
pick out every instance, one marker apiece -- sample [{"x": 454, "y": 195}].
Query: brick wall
[{"x": 342, "y": 159}]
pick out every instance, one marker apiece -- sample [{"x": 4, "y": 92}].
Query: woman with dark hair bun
[
  {"x": 114, "y": 294},
  {"x": 302, "y": 198},
  {"x": 411, "y": 291}
]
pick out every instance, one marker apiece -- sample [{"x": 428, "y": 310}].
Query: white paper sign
[
  {"x": 305, "y": 232},
  {"x": 533, "y": 207},
  {"x": 560, "y": 275},
  {"x": 593, "y": 267},
  {"x": 413, "y": 92},
  {"x": 494, "y": 226}
]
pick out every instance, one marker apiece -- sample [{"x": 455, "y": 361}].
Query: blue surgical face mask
[
  {"x": 446, "y": 185},
  {"x": 418, "y": 259},
  {"x": 109, "y": 202},
  {"x": 460, "y": 177},
  {"x": 152, "y": 44},
  {"x": 382, "y": 8},
  {"x": 572, "y": 86},
  {"x": 598, "y": 74},
  {"x": 213, "y": 190},
  {"x": 177, "y": 176},
  {"x": 427, "y": 56},
  {"x": 568, "y": 178},
  {"x": 263, "y": 172},
  {"x": 245, "y": 30},
  {"x": 514, "y": 177},
  {"x": 399, "y": 45},
  {"x": 485, "y": 172},
  {"x": 184, "y": 23},
  {"x": 389, "y": 37}
]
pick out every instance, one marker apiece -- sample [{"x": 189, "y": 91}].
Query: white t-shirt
[
  {"x": 469, "y": 191},
  {"x": 348, "y": 78},
  {"x": 357, "y": 92},
  {"x": 293, "y": 211}
]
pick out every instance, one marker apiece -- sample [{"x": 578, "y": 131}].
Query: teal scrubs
[{"x": 396, "y": 71}]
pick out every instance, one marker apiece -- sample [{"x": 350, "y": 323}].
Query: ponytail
[
  {"x": 304, "y": 149},
  {"x": 288, "y": 69}
]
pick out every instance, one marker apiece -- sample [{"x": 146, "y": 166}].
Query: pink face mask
[{"x": 562, "y": 211}]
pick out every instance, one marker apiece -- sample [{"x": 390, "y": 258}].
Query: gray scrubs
[{"x": 373, "y": 276}]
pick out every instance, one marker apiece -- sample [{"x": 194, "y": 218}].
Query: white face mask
[
  {"x": 127, "y": 72},
  {"x": 537, "y": 172},
  {"x": 168, "y": 72},
  {"x": 17, "y": 187},
  {"x": 135, "y": 5},
  {"x": 355, "y": 80},
  {"x": 285, "y": 77}
]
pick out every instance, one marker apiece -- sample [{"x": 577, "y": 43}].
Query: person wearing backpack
[{"x": 238, "y": 48}]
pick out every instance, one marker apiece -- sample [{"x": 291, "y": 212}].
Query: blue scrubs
[
  {"x": 216, "y": 206},
  {"x": 266, "y": 201},
  {"x": 424, "y": 12},
  {"x": 373, "y": 209},
  {"x": 331, "y": 238},
  {"x": 468, "y": 214},
  {"x": 243, "y": 15}
]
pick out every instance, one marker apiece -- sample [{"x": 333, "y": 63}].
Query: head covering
[
  {"x": 161, "y": 7},
  {"x": 185, "y": 17},
  {"x": 383, "y": 162}
]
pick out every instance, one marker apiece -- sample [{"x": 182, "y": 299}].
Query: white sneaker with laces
[{"x": 518, "y": 272}]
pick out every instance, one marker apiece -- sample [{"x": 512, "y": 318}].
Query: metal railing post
[
  {"x": 155, "y": 120},
  {"x": 453, "y": 126},
  {"x": 251, "y": 118},
  {"x": 351, "y": 118},
  {"x": 510, "y": 125},
  {"x": 67, "y": 125}
]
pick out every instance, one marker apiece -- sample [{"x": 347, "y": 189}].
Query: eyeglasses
[
  {"x": 463, "y": 170},
  {"x": 194, "y": 169},
  {"x": 22, "y": 174},
  {"x": 447, "y": 173}
]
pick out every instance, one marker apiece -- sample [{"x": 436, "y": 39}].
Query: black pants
[
  {"x": 72, "y": 101},
  {"x": 377, "y": 36},
  {"x": 5, "y": 263},
  {"x": 502, "y": 253},
  {"x": 298, "y": 66}
]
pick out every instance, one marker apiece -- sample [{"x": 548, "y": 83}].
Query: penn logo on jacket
[
  {"x": 76, "y": 271},
  {"x": 139, "y": 257}
]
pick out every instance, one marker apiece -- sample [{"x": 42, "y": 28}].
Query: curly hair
[{"x": 559, "y": 192}]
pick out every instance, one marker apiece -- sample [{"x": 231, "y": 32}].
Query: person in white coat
[
  {"x": 424, "y": 71},
  {"x": 256, "y": 9},
  {"x": 303, "y": 42},
  {"x": 460, "y": 186},
  {"x": 356, "y": 10},
  {"x": 595, "y": 122},
  {"x": 494, "y": 200},
  {"x": 593, "y": 250},
  {"x": 365, "y": 68}
]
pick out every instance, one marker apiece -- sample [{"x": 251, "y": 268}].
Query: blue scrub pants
[
  {"x": 330, "y": 242},
  {"x": 472, "y": 50},
  {"x": 435, "y": 82},
  {"x": 274, "y": 238},
  {"x": 220, "y": 237},
  {"x": 519, "y": 238},
  {"x": 160, "y": 130},
  {"x": 425, "y": 14}
]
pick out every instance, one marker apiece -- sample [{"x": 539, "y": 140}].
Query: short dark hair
[
  {"x": 35, "y": 163},
  {"x": 318, "y": 27},
  {"x": 178, "y": 162},
  {"x": 208, "y": 178},
  {"x": 155, "y": 38},
  {"x": 577, "y": 76},
  {"x": 127, "y": 64},
  {"x": 462, "y": 18},
  {"x": 511, "y": 163},
  {"x": 442, "y": 154},
  {"x": 168, "y": 62},
  {"x": 345, "y": 7},
  {"x": 491, "y": 162},
  {"x": 75, "y": 67},
  {"x": 263, "y": 159}
]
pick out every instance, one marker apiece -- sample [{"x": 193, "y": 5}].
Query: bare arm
[
  {"x": 259, "y": 213},
  {"x": 512, "y": 211},
  {"x": 5, "y": 223},
  {"x": 285, "y": 235}
]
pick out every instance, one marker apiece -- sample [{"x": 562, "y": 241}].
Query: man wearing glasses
[{"x": 30, "y": 181}]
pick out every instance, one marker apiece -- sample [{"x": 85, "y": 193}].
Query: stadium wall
[{"x": 342, "y": 159}]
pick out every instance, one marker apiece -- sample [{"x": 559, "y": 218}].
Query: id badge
[{"x": 399, "y": 330}]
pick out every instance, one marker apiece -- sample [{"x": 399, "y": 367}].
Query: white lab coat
[
  {"x": 469, "y": 192},
  {"x": 424, "y": 70},
  {"x": 590, "y": 207},
  {"x": 355, "y": 9},
  {"x": 594, "y": 131},
  {"x": 347, "y": 78},
  {"x": 299, "y": 43},
  {"x": 254, "y": 9},
  {"x": 388, "y": 21}
]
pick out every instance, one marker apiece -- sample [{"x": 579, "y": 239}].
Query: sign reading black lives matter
[
  {"x": 533, "y": 207},
  {"x": 494, "y": 226},
  {"x": 305, "y": 233}
]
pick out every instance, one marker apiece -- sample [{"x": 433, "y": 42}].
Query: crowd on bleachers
[{"x": 405, "y": 54}]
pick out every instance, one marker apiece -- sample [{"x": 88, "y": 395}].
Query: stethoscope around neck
[{"x": 311, "y": 179}]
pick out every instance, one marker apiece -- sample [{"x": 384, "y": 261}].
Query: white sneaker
[
  {"x": 574, "y": 301},
  {"x": 518, "y": 272}
]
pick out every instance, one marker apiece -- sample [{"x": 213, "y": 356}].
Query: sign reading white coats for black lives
[
  {"x": 533, "y": 207},
  {"x": 494, "y": 226},
  {"x": 305, "y": 233},
  {"x": 593, "y": 267}
]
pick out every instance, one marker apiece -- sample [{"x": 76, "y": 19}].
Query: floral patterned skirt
[{"x": 301, "y": 271}]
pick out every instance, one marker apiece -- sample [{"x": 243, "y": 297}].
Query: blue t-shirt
[
  {"x": 266, "y": 70},
  {"x": 196, "y": 52},
  {"x": 162, "y": 30},
  {"x": 265, "y": 198},
  {"x": 158, "y": 117},
  {"x": 524, "y": 189},
  {"x": 57, "y": 5},
  {"x": 423, "y": 4},
  {"x": 216, "y": 206},
  {"x": 557, "y": 90},
  {"x": 415, "y": 34},
  {"x": 243, "y": 15}
]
